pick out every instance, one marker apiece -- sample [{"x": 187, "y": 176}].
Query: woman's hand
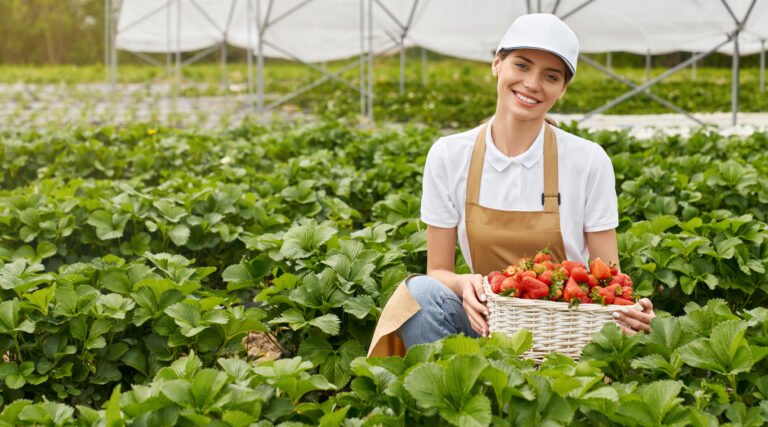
[
  {"x": 631, "y": 321},
  {"x": 474, "y": 299}
]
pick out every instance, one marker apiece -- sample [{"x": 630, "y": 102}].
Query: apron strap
[
  {"x": 551, "y": 196},
  {"x": 476, "y": 167}
]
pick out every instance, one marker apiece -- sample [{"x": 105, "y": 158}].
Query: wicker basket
[{"x": 555, "y": 327}]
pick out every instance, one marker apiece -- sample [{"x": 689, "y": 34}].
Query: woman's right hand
[{"x": 474, "y": 301}]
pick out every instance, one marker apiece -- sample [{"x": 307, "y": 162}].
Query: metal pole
[
  {"x": 113, "y": 49},
  {"x": 107, "y": 37},
  {"x": 260, "y": 69},
  {"x": 423, "y": 66},
  {"x": 362, "y": 60},
  {"x": 402, "y": 65},
  {"x": 248, "y": 14},
  {"x": 177, "y": 77},
  {"x": 648, "y": 66},
  {"x": 735, "y": 78},
  {"x": 693, "y": 68},
  {"x": 608, "y": 60},
  {"x": 168, "y": 49},
  {"x": 762, "y": 66},
  {"x": 370, "y": 61},
  {"x": 223, "y": 65}
]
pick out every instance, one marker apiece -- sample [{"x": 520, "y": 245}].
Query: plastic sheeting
[{"x": 323, "y": 30}]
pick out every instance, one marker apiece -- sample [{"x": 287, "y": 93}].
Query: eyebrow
[{"x": 531, "y": 62}]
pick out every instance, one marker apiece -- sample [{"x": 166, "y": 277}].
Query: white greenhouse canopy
[
  {"x": 323, "y": 30},
  {"x": 312, "y": 31}
]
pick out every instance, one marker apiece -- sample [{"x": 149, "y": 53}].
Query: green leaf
[
  {"x": 329, "y": 323},
  {"x": 113, "y": 417},
  {"x": 179, "y": 234},
  {"x": 475, "y": 412},
  {"x": 301, "y": 241},
  {"x": 179, "y": 392}
]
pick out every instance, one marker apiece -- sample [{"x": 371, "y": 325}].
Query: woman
[{"x": 507, "y": 189}]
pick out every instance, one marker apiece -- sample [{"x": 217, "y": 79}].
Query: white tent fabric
[{"x": 322, "y": 30}]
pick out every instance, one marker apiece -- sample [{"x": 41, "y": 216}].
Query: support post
[
  {"x": 224, "y": 64},
  {"x": 608, "y": 60},
  {"x": 693, "y": 68},
  {"x": 735, "y": 78},
  {"x": 168, "y": 50},
  {"x": 362, "y": 58},
  {"x": 648, "y": 66},
  {"x": 177, "y": 77},
  {"x": 107, "y": 37},
  {"x": 402, "y": 64},
  {"x": 762, "y": 66},
  {"x": 370, "y": 61},
  {"x": 423, "y": 66},
  {"x": 260, "y": 57},
  {"x": 113, "y": 49},
  {"x": 249, "y": 23}
]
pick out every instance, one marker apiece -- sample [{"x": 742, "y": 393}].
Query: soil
[{"x": 261, "y": 347}]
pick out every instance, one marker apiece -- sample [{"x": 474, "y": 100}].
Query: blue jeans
[{"x": 441, "y": 313}]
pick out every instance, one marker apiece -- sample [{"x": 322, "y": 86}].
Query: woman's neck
[{"x": 514, "y": 137}]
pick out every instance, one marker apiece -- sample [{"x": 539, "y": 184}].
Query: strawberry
[
  {"x": 622, "y": 301},
  {"x": 496, "y": 282},
  {"x": 599, "y": 269},
  {"x": 609, "y": 293},
  {"x": 626, "y": 292},
  {"x": 614, "y": 270},
  {"x": 579, "y": 274},
  {"x": 626, "y": 281},
  {"x": 511, "y": 270},
  {"x": 570, "y": 265},
  {"x": 591, "y": 281},
  {"x": 539, "y": 268},
  {"x": 493, "y": 274},
  {"x": 535, "y": 288},
  {"x": 529, "y": 273},
  {"x": 546, "y": 277},
  {"x": 542, "y": 256},
  {"x": 555, "y": 291},
  {"x": 511, "y": 286},
  {"x": 573, "y": 290}
]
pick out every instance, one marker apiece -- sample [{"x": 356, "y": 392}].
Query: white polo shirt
[{"x": 585, "y": 180}]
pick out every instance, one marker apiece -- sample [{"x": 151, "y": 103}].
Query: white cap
[{"x": 543, "y": 31}]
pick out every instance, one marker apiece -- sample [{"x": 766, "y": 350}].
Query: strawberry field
[{"x": 135, "y": 261}]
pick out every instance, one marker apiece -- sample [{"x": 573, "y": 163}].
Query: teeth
[{"x": 526, "y": 99}]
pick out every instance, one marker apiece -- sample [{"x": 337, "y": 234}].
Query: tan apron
[{"x": 496, "y": 238}]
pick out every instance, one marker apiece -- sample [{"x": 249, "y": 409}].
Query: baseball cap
[{"x": 543, "y": 31}]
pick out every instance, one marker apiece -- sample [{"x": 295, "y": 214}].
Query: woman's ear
[
  {"x": 562, "y": 93},
  {"x": 495, "y": 66}
]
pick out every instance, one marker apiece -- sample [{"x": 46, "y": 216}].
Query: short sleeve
[
  {"x": 437, "y": 205},
  {"x": 601, "y": 210}
]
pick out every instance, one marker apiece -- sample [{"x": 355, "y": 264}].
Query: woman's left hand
[{"x": 631, "y": 321}]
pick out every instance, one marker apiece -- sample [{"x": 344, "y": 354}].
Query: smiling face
[{"x": 529, "y": 81}]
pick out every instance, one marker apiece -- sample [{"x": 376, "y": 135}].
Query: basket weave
[{"x": 555, "y": 327}]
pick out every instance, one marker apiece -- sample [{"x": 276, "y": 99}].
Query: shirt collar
[{"x": 500, "y": 162}]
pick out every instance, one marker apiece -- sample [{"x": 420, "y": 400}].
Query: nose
[{"x": 531, "y": 83}]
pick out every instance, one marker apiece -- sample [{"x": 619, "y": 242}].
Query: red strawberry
[
  {"x": 570, "y": 265},
  {"x": 614, "y": 270},
  {"x": 535, "y": 288},
  {"x": 609, "y": 293},
  {"x": 542, "y": 256},
  {"x": 599, "y": 269},
  {"x": 511, "y": 270},
  {"x": 580, "y": 275},
  {"x": 546, "y": 276},
  {"x": 511, "y": 286},
  {"x": 622, "y": 301},
  {"x": 493, "y": 274},
  {"x": 496, "y": 282},
  {"x": 573, "y": 290},
  {"x": 626, "y": 292},
  {"x": 591, "y": 281},
  {"x": 626, "y": 281}
]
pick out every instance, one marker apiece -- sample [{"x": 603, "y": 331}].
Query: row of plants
[
  {"x": 316, "y": 226},
  {"x": 456, "y": 95},
  {"x": 696, "y": 370}
]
